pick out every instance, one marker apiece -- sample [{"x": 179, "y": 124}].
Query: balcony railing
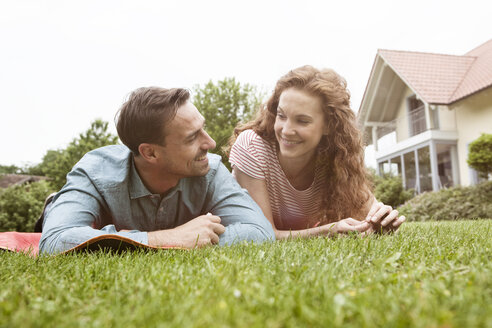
[{"x": 408, "y": 126}]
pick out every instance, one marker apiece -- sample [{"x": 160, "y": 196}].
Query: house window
[
  {"x": 445, "y": 165},
  {"x": 425, "y": 171},
  {"x": 395, "y": 166},
  {"x": 384, "y": 168},
  {"x": 416, "y": 115},
  {"x": 410, "y": 173},
  {"x": 414, "y": 167}
]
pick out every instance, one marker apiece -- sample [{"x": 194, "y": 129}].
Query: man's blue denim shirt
[{"x": 104, "y": 194}]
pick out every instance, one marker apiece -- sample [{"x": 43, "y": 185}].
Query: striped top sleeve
[{"x": 247, "y": 155}]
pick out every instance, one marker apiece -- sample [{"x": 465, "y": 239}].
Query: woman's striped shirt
[{"x": 292, "y": 209}]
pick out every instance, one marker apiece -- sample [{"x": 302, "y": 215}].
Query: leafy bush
[
  {"x": 389, "y": 189},
  {"x": 480, "y": 154},
  {"x": 451, "y": 204},
  {"x": 20, "y": 206},
  {"x": 57, "y": 163}
]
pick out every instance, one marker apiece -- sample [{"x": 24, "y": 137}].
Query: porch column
[
  {"x": 427, "y": 116},
  {"x": 417, "y": 171},
  {"x": 403, "y": 176},
  {"x": 374, "y": 130},
  {"x": 455, "y": 165},
  {"x": 433, "y": 162}
]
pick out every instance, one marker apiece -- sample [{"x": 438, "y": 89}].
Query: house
[
  {"x": 7, "y": 180},
  {"x": 422, "y": 110}
]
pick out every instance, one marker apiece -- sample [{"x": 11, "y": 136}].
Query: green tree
[
  {"x": 21, "y": 205},
  {"x": 223, "y": 106},
  {"x": 10, "y": 169},
  {"x": 57, "y": 163},
  {"x": 480, "y": 154}
]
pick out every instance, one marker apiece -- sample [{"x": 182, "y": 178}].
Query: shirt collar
[{"x": 137, "y": 188}]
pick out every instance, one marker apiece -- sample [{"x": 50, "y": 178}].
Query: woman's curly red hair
[{"x": 347, "y": 191}]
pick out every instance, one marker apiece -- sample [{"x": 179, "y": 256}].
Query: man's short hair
[{"x": 141, "y": 119}]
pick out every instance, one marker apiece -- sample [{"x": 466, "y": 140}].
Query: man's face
[{"x": 186, "y": 144}]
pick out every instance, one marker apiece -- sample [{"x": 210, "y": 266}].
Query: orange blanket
[{"x": 28, "y": 243}]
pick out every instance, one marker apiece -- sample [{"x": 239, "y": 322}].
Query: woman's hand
[
  {"x": 346, "y": 226},
  {"x": 383, "y": 218}
]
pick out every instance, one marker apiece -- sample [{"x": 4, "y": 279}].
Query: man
[{"x": 162, "y": 188}]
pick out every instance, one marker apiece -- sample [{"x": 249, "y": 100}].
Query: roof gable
[
  {"x": 434, "y": 77},
  {"x": 443, "y": 79}
]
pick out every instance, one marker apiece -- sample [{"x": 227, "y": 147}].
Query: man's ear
[{"x": 147, "y": 151}]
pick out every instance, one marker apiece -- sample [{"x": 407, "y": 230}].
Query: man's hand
[
  {"x": 199, "y": 232},
  {"x": 345, "y": 226},
  {"x": 383, "y": 218}
]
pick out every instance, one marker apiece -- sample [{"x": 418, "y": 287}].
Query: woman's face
[{"x": 299, "y": 125}]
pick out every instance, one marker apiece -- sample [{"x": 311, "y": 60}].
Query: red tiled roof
[
  {"x": 8, "y": 180},
  {"x": 480, "y": 74},
  {"x": 443, "y": 79}
]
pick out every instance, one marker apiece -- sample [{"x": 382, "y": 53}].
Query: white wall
[{"x": 473, "y": 117}]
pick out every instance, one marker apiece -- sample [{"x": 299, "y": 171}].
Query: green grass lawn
[{"x": 434, "y": 274}]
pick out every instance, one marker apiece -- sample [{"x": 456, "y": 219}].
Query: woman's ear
[
  {"x": 325, "y": 130},
  {"x": 147, "y": 152}
]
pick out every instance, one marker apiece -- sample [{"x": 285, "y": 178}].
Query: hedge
[
  {"x": 20, "y": 206},
  {"x": 451, "y": 204}
]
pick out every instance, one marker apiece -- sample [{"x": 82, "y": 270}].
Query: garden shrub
[
  {"x": 389, "y": 189},
  {"x": 20, "y": 206},
  {"x": 451, "y": 204},
  {"x": 480, "y": 154}
]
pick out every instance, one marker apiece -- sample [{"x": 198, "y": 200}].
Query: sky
[{"x": 65, "y": 63}]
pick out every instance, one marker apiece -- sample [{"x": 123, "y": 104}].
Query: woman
[{"x": 301, "y": 159}]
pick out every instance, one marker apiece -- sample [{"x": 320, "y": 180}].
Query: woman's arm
[{"x": 258, "y": 190}]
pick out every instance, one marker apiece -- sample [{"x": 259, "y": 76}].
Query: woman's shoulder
[
  {"x": 248, "y": 136},
  {"x": 251, "y": 140}
]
